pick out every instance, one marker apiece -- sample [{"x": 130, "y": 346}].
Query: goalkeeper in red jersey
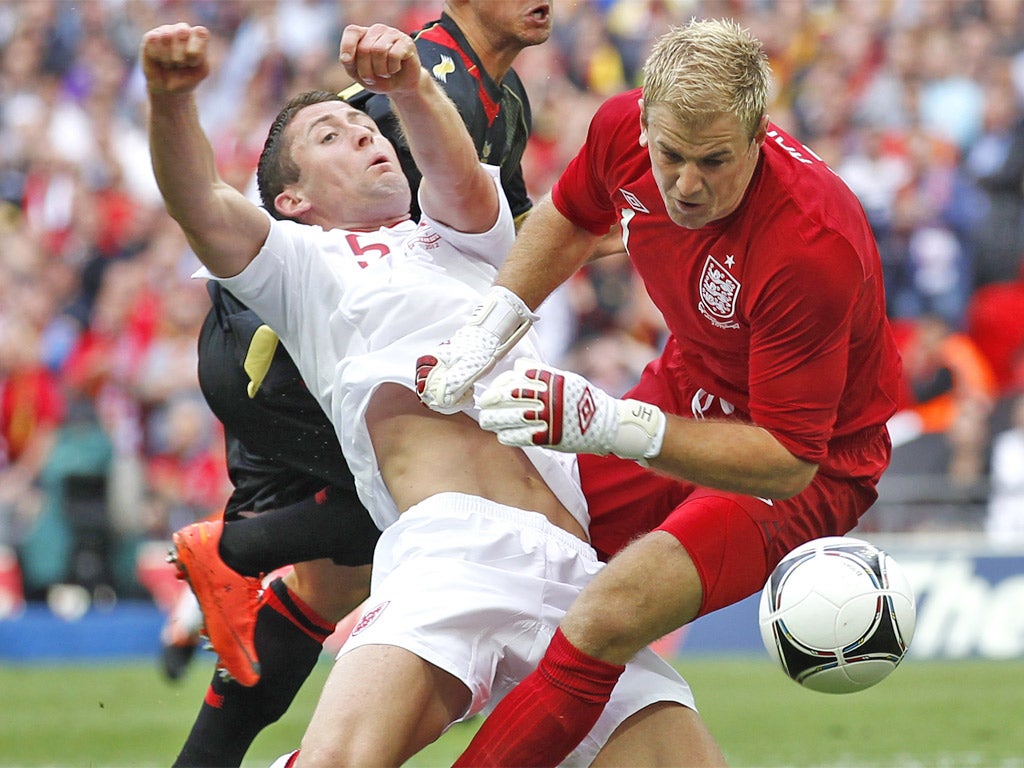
[{"x": 762, "y": 423}]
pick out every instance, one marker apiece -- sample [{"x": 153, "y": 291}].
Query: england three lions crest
[{"x": 718, "y": 293}]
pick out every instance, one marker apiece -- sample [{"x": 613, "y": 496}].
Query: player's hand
[
  {"x": 174, "y": 58},
  {"x": 380, "y": 58},
  {"x": 445, "y": 377},
  {"x": 539, "y": 405}
]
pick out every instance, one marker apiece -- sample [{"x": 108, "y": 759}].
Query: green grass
[{"x": 949, "y": 714}]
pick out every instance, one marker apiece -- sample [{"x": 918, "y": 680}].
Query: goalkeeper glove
[
  {"x": 539, "y": 405},
  {"x": 445, "y": 378}
]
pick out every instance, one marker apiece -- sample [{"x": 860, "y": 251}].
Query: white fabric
[
  {"x": 538, "y": 404},
  {"x": 477, "y": 589},
  {"x": 375, "y": 301},
  {"x": 498, "y": 322}
]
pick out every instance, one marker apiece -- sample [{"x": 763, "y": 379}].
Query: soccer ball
[{"x": 837, "y": 614}]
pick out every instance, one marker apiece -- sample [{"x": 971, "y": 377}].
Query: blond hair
[{"x": 706, "y": 69}]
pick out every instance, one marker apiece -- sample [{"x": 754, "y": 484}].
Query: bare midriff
[{"x": 422, "y": 453}]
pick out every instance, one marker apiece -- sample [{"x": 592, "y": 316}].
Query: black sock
[
  {"x": 289, "y": 639},
  {"x": 331, "y": 524}
]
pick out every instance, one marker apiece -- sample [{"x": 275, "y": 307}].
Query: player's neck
[{"x": 496, "y": 60}]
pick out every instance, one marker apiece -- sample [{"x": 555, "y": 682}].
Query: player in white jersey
[
  {"x": 484, "y": 546},
  {"x": 355, "y": 305}
]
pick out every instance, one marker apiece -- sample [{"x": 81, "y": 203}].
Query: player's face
[
  {"x": 702, "y": 172},
  {"x": 349, "y": 172},
  {"x": 524, "y": 22}
]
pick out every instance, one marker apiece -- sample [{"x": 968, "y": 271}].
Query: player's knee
[
  {"x": 600, "y": 619},
  {"x": 648, "y": 590}
]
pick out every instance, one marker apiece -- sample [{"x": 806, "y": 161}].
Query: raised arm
[
  {"x": 455, "y": 189},
  {"x": 225, "y": 229}
]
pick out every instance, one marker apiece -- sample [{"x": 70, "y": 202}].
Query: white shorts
[{"x": 477, "y": 589}]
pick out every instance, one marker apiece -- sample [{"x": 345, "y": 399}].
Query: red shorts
[{"x": 734, "y": 540}]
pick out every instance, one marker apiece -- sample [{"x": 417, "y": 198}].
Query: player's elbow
[{"x": 793, "y": 479}]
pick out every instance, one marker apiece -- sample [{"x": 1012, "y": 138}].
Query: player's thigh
[
  {"x": 663, "y": 734},
  {"x": 380, "y": 705},
  {"x": 332, "y": 590},
  {"x": 649, "y": 589}
]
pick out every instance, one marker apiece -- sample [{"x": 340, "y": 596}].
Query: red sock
[{"x": 543, "y": 718}]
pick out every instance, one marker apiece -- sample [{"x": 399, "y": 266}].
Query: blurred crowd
[{"x": 105, "y": 441}]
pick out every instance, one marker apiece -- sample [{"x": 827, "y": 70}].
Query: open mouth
[{"x": 541, "y": 13}]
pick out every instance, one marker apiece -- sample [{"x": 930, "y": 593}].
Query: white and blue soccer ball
[{"x": 837, "y": 614}]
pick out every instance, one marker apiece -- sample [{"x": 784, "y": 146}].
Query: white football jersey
[{"x": 355, "y": 309}]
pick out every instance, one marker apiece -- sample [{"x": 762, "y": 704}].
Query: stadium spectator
[
  {"x": 995, "y": 324},
  {"x": 31, "y": 413},
  {"x": 593, "y": 63},
  {"x": 949, "y": 102},
  {"x": 995, "y": 164},
  {"x": 943, "y": 372},
  {"x": 759, "y": 437},
  {"x": 930, "y": 227},
  {"x": 186, "y": 468},
  {"x": 876, "y": 170},
  {"x": 887, "y": 102}
]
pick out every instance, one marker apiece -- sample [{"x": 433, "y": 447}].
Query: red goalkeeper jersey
[{"x": 778, "y": 309}]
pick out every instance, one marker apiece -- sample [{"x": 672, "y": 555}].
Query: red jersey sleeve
[{"x": 582, "y": 194}]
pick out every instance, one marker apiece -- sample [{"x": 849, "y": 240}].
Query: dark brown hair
[{"x": 276, "y": 168}]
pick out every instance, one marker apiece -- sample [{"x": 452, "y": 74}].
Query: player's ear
[
  {"x": 762, "y": 131},
  {"x": 643, "y": 122},
  {"x": 290, "y": 203}
]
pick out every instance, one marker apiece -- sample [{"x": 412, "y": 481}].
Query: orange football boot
[{"x": 229, "y": 600}]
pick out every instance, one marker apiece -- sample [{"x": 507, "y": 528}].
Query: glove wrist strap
[
  {"x": 505, "y": 315},
  {"x": 641, "y": 431}
]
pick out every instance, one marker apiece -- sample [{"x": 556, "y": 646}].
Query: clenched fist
[
  {"x": 174, "y": 58},
  {"x": 380, "y": 58}
]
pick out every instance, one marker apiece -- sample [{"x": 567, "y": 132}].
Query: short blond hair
[{"x": 709, "y": 68}]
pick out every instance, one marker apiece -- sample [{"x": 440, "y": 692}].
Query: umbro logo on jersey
[
  {"x": 369, "y": 617},
  {"x": 443, "y": 68},
  {"x": 634, "y": 201}
]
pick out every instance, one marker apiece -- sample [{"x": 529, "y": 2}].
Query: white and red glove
[
  {"x": 539, "y": 405},
  {"x": 445, "y": 378}
]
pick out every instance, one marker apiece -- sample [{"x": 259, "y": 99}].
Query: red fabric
[
  {"x": 995, "y": 323},
  {"x": 193, "y": 479},
  {"x": 778, "y": 309},
  {"x": 733, "y": 539},
  {"x": 30, "y": 403},
  {"x": 544, "y": 717},
  {"x": 214, "y": 699},
  {"x": 323, "y": 628}
]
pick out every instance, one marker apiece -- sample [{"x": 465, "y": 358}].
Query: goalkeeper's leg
[{"x": 547, "y": 715}]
